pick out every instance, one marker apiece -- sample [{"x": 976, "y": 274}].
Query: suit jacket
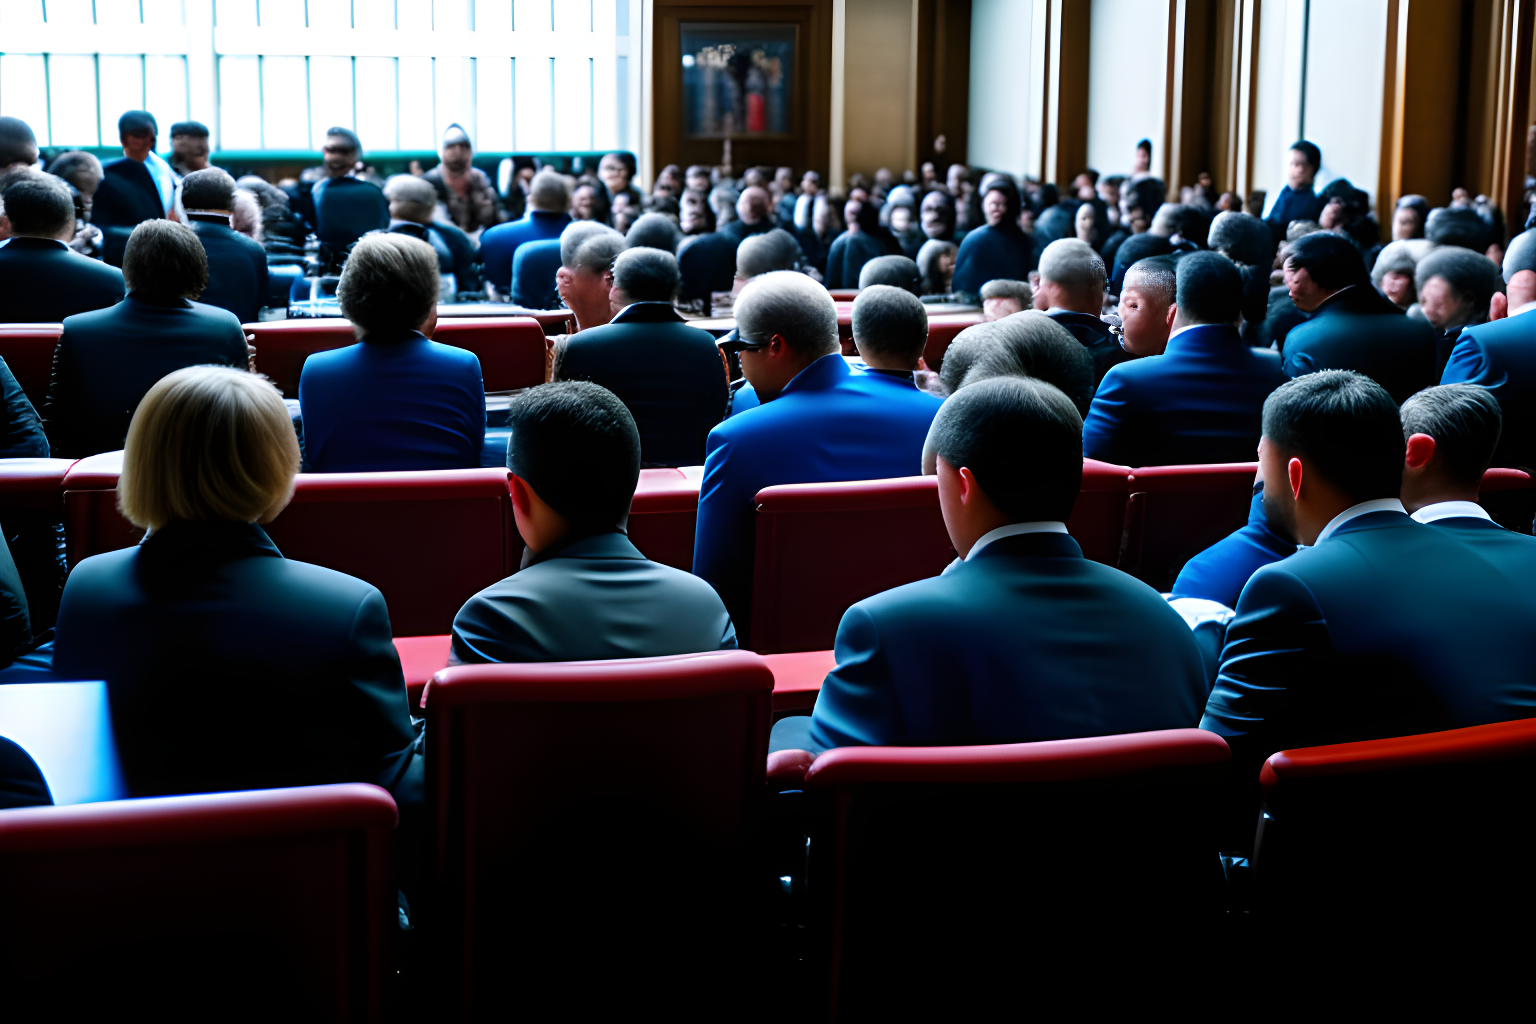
[
  {"x": 498, "y": 244},
  {"x": 42, "y": 281},
  {"x": 457, "y": 253},
  {"x": 346, "y": 209},
  {"x": 1359, "y": 330},
  {"x": 21, "y": 431},
  {"x": 126, "y": 197},
  {"x": 591, "y": 598},
  {"x": 707, "y": 264},
  {"x": 108, "y": 359},
  {"x": 988, "y": 253},
  {"x": 829, "y": 423},
  {"x": 1291, "y": 205},
  {"x": 203, "y": 631},
  {"x": 237, "y": 267},
  {"x": 668, "y": 374},
  {"x": 1501, "y": 357},
  {"x": 534, "y": 268},
  {"x": 1010, "y": 646},
  {"x": 1201, "y": 401},
  {"x": 848, "y": 254},
  {"x": 1220, "y": 572},
  {"x": 1094, "y": 335},
  {"x": 739, "y": 230}
]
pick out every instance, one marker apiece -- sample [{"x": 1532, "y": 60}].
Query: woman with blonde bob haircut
[{"x": 199, "y": 628}]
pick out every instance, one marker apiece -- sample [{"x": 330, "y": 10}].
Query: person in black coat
[
  {"x": 861, "y": 242},
  {"x": 237, "y": 265},
  {"x": 1071, "y": 292},
  {"x": 707, "y": 264},
  {"x": 997, "y": 249},
  {"x": 754, "y": 215},
  {"x": 137, "y": 187},
  {"x": 412, "y": 202},
  {"x": 41, "y": 280},
  {"x": 668, "y": 374},
  {"x": 108, "y": 359}
]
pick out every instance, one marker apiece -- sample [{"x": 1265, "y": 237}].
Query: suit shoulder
[{"x": 217, "y": 314}]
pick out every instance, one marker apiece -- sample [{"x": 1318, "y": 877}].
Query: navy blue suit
[
  {"x": 830, "y": 423},
  {"x": 1093, "y": 334},
  {"x": 1220, "y": 572},
  {"x": 1201, "y": 401},
  {"x": 346, "y": 209},
  {"x": 534, "y": 267},
  {"x": 231, "y": 667},
  {"x": 1027, "y": 640},
  {"x": 667, "y": 374},
  {"x": 237, "y": 267},
  {"x": 1292, "y": 205},
  {"x": 1358, "y": 329},
  {"x": 499, "y": 244},
  {"x": 1501, "y": 357},
  {"x": 126, "y": 197},
  {"x": 42, "y": 281}
]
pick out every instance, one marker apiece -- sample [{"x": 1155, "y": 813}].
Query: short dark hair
[
  {"x": 1023, "y": 441},
  {"x": 1031, "y": 344},
  {"x": 654, "y": 231},
  {"x": 71, "y": 162},
  {"x": 1242, "y": 237},
  {"x": 349, "y": 135},
  {"x": 646, "y": 275},
  {"x": 1465, "y": 421},
  {"x": 1161, "y": 273},
  {"x": 137, "y": 122},
  {"x": 195, "y": 128},
  {"x": 1146, "y": 194},
  {"x": 1313, "y": 155},
  {"x": 1210, "y": 290},
  {"x": 165, "y": 258},
  {"x": 18, "y": 144},
  {"x": 389, "y": 284},
  {"x": 1346, "y": 425},
  {"x": 1447, "y": 226},
  {"x": 208, "y": 189},
  {"x": 1331, "y": 260},
  {"x": 1471, "y": 275},
  {"x": 890, "y": 321},
  {"x": 576, "y": 445},
  {"x": 38, "y": 204},
  {"x": 895, "y": 271}
]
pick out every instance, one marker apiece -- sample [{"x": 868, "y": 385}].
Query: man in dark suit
[
  {"x": 1381, "y": 626},
  {"x": 137, "y": 187},
  {"x": 668, "y": 374},
  {"x": 584, "y": 593},
  {"x": 108, "y": 359},
  {"x": 1297, "y": 200},
  {"x": 754, "y": 215},
  {"x": 1451, "y": 432},
  {"x": 1071, "y": 292},
  {"x": 1353, "y": 326},
  {"x": 1022, "y": 638},
  {"x": 237, "y": 265},
  {"x": 341, "y": 207},
  {"x": 1201, "y": 400},
  {"x": 41, "y": 280},
  {"x": 412, "y": 203},
  {"x": 707, "y": 264}
]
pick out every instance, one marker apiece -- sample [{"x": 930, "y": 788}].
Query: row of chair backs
[
  {"x": 28, "y": 350},
  {"x": 1175, "y": 512}
]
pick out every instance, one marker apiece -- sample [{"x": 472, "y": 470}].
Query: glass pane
[{"x": 738, "y": 80}]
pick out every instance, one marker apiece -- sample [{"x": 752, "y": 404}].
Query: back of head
[
  {"x": 1471, "y": 274},
  {"x": 1031, "y": 344},
  {"x": 1071, "y": 263},
  {"x": 1463, "y": 227},
  {"x": 646, "y": 275},
  {"x": 896, "y": 271},
  {"x": 1346, "y": 425},
  {"x": 1182, "y": 219},
  {"x": 1147, "y": 195},
  {"x": 928, "y": 263},
  {"x": 1521, "y": 254},
  {"x": 37, "y": 204},
  {"x": 1399, "y": 257},
  {"x": 576, "y": 445},
  {"x": 266, "y": 193},
  {"x": 209, "y": 189},
  {"x": 890, "y": 322},
  {"x": 18, "y": 144},
  {"x": 1465, "y": 421},
  {"x": 207, "y": 444},
  {"x": 195, "y": 129},
  {"x": 1210, "y": 290},
  {"x": 963, "y": 353},
  {"x": 389, "y": 285},
  {"x": 346, "y": 138},
  {"x": 1300, "y": 228},
  {"x": 766, "y": 252},
  {"x": 409, "y": 189},
  {"x": 1022, "y": 440},
  {"x": 165, "y": 258},
  {"x": 137, "y": 122},
  {"x": 792, "y": 305},
  {"x": 1242, "y": 237},
  {"x": 1329, "y": 259},
  {"x": 577, "y": 232},
  {"x": 549, "y": 192},
  {"x": 1006, "y": 288},
  {"x": 73, "y": 164},
  {"x": 596, "y": 253},
  {"x": 654, "y": 231},
  {"x": 754, "y": 205}
]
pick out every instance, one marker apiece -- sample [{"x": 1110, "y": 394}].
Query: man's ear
[
  {"x": 1293, "y": 471},
  {"x": 968, "y": 486},
  {"x": 1172, "y": 314},
  {"x": 1421, "y": 451},
  {"x": 520, "y": 499},
  {"x": 1498, "y": 306}
]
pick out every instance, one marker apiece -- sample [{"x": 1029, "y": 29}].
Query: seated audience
[
  {"x": 1147, "y": 307},
  {"x": 584, "y": 592},
  {"x": 1001, "y": 297},
  {"x": 1297, "y": 200},
  {"x": 1245, "y": 240},
  {"x": 584, "y": 279},
  {"x": 1455, "y": 286},
  {"x": 1366, "y": 632},
  {"x": 616, "y": 170},
  {"x": 465, "y": 191},
  {"x": 998, "y": 248},
  {"x": 667, "y": 374},
  {"x": 237, "y": 266},
  {"x": 1031, "y": 344},
  {"x": 1500, "y": 355},
  {"x": 191, "y": 627},
  {"x": 1352, "y": 326},
  {"x": 1201, "y": 400},
  {"x": 654, "y": 231},
  {"x": 136, "y": 187},
  {"x": 859, "y": 243},
  {"x": 1137, "y": 203},
  {"x": 707, "y": 265},
  {"x": 763, "y": 254},
  {"x": 44, "y": 281},
  {"x": 819, "y": 421},
  {"x": 413, "y": 212},
  {"x": 1451, "y": 432},
  {"x": 936, "y": 216},
  {"x": 341, "y": 206},
  {"x": 535, "y": 267},
  {"x": 107, "y": 359},
  {"x": 394, "y": 400},
  {"x": 936, "y": 264},
  {"x": 589, "y": 203},
  {"x": 754, "y": 214},
  {"x": 1022, "y": 638},
  {"x": 1071, "y": 292},
  {"x": 890, "y": 331},
  {"x": 549, "y": 199},
  {"x": 896, "y": 271}
]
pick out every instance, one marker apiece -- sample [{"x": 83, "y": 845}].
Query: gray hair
[
  {"x": 389, "y": 284},
  {"x": 1004, "y": 288},
  {"x": 1159, "y": 276},
  {"x": 898, "y": 271},
  {"x": 1031, "y": 344},
  {"x": 596, "y": 252},
  {"x": 722, "y": 200},
  {"x": 266, "y": 193},
  {"x": 890, "y": 321},
  {"x": 766, "y": 252},
  {"x": 790, "y": 304},
  {"x": 646, "y": 275},
  {"x": 577, "y": 233},
  {"x": 1400, "y": 257},
  {"x": 245, "y": 214},
  {"x": 928, "y": 263},
  {"x": 1072, "y": 263},
  {"x": 967, "y": 347},
  {"x": 549, "y": 192},
  {"x": 1242, "y": 238},
  {"x": 1473, "y": 275},
  {"x": 407, "y": 188},
  {"x": 654, "y": 231},
  {"x": 1521, "y": 254}
]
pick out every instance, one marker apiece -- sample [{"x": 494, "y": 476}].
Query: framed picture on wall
[{"x": 738, "y": 79}]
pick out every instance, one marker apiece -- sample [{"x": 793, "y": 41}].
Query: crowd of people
[{"x": 1374, "y": 383}]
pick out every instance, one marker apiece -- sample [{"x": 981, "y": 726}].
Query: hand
[{"x": 250, "y": 353}]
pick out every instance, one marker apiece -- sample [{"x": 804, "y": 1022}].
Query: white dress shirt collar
[
  {"x": 1365, "y": 507},
  {"x": 1451, "y": 510},
  {"x": 1523, "y": 309},
  {"x": 1013, "y": 530}
]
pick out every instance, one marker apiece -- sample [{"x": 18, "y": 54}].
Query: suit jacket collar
[
  {"x": 1030, "y": 545},
  {"x": 1064, "y": 317},
  {"x": 899, "y": 378},
  {"x": 647, "y": 313},
  {"x": 1205, "y": 338},
  {"x": 27, "y": 242},
  {"x": 158, "y": 300},
  {"x": 215, "y": 219},
  {"x": 1356, "y": 299},
  {"x": 1370, "y": 520},
  {"x": 1450, "y": 510},
  {"x": 185, "y": 540},
  {"x": 607, "y": 544},
  {"x": 821, "y": 375}
]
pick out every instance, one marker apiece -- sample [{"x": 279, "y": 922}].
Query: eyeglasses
[{"x": 733, "y": 343}]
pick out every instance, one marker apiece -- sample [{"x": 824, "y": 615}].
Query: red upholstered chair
[
  {"x": 942, "y": 328},
  {"x": 1509, "y": 495},
  {"x": 28, "y": 350},
  {"x": 267, "y": 900},
  {"x": 283, "y": 345},
  {"x": 664, "y": 514},
  {"x": 1098, "y": 516},
  {"x": 32, "y": 485},
  {"x": 844, "y": 294},
  {"x": 594, "y": 824},
  {"x": 1176, "y": 512},
  {"x": 965, "y": 876}
]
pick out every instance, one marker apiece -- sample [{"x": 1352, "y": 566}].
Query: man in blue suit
[
  {"x": 1500, "y": 355},
  {"x": 1297, "y": 200},
  {"x": 549, "y": 203},
  {"x": 1201, "y": 400},
  {"x": 1071, "y": 292},
  {"x": 44, "y": 280},
  {"x": 819, "y": 421},
  {"x": 1021, "y": 639},
  {"x": 237, "y": 265},
  {"x": 137, "y": 187}
]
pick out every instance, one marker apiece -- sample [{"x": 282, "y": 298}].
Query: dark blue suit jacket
[
  {"x": 830, "y": 423},
  {"x": 108, "y": 359},
  {"x": 457, "y": 253},
  {"x": 1093, "y": 334},
  {"x": 499, "y": 243},
  {"x": 1501, "y": 356},
  {"x": 707, "y": 264},
  {"x": 126, "y": 197},
  {"x": 1201, "y": 401},
  {"x": 1028, "y": 640},
  {"x": 346, "y": 209},
  {"x": 534, "y": 267},
  {"x": 989, "y": 253},
  {"x": 231, "y": 667},
  {"x": 237, "y": 267},
  {"x": 668, "y": 374},
  {"x": 1291, "y": 205},
  {"x": 1359, "y": 330},
  {"x": 1220, "y": 572},
  {"x": 42, "y": 281}
]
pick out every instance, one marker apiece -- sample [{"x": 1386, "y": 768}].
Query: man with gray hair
[
  {"x": 765, "y": 253},
  {"x": 237, "y": 265},
  {"x": 587, "y": 251},
  {"x": 819, "y": 421},
  {"x": 1071, "y": 292},
  {"x": 896, "y": 271},
  {"x": 668, "y": 375},
  {"x": 1001, "y": 297},
  {"x": 654, "y": 231},
  {"x": 549, "y": 204},
  {"x": 890, "y": 331},
  {"x": 412, "y": 211}
]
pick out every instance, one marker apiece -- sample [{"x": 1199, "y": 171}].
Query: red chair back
[
  {"x": 942, "y": 328},
  {"x": 32, "y": 485},
  {"x": 28, "y": 350},
  {"x": 664, "y": 513},
  {"x": 1176, "y": 512},
  {"x": 284, "y": 896},
  {"x": 605, "y": 806},
  {"x": 1509, "y": 496},
  {"x": 1098, "y": 515}
]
